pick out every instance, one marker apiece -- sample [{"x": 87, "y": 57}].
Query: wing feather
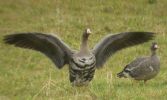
[
  {"x": 113, "y": 43},
  {"x": 47, "y": 44}
]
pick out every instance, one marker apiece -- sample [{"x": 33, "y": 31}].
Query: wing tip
[
  {"x": 7, "y": 39},
  {"x": 146, "y": 36},
  {"x": 11, "y": 38}
]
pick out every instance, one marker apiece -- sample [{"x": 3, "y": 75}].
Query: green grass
[{"x": 29, "y": 75}]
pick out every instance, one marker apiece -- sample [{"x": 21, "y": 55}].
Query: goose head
[
  {"x": 86, "y": 33},
  {"x": 154, "y": 46}
]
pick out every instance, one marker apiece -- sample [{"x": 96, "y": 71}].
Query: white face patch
[
  {"x": 88, "y": 31},
  {"x": 156, "y": 46}
]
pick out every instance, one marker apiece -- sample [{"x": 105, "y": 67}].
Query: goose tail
[{"x": 121, "y": 74}]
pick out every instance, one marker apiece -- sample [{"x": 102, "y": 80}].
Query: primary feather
[
  {"x": 51, "y": 46},
  {"x": 113, "y": 43}
]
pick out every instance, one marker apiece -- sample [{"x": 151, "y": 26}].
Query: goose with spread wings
[{"x": 82, "y": 63}]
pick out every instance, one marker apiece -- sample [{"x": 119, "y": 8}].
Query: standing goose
[
  {"x": 143, "y": 68},
  {"x": 82, "y": 64}
]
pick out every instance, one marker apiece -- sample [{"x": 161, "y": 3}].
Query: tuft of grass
[{"x": 29, "y": 75}]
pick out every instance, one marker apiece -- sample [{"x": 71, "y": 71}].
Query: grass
[{"x": 29, "y": 75}]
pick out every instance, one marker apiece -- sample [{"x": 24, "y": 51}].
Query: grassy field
[{"x": 29, "y": 75}]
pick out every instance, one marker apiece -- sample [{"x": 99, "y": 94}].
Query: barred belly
[{"x": 81, "y": 75}]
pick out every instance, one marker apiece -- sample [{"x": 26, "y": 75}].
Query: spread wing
[
  {"x": 113, "y": 43},
  {"x": 49, "y": 45}
]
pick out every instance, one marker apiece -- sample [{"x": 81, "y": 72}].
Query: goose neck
[
  {"x": 84, "y": 43},
  {"x": 153, "y": 52}
]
